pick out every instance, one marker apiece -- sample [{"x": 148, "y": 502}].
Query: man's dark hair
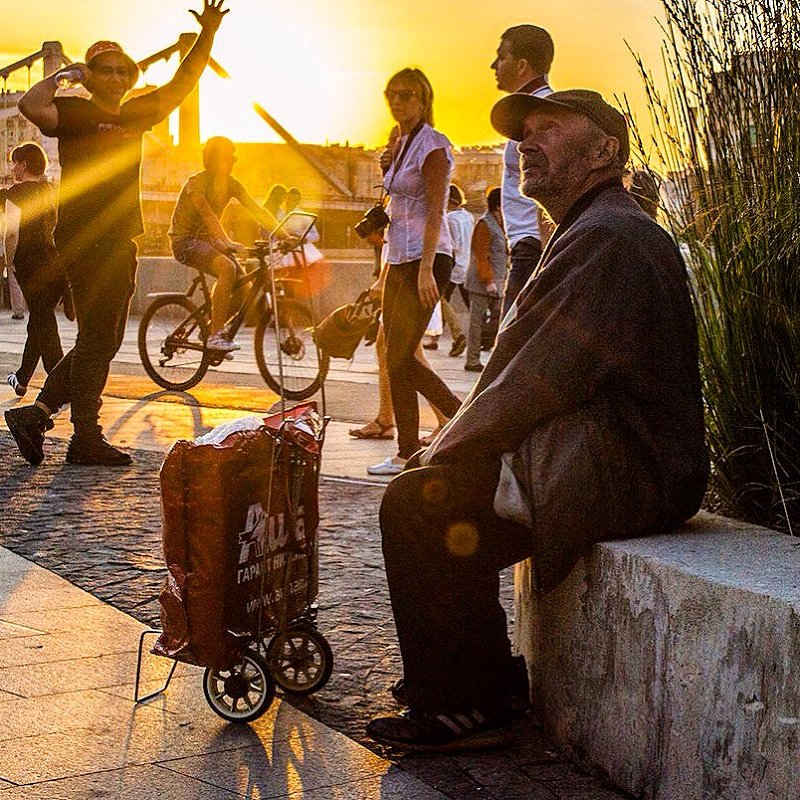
[
  {"x": 532, "y": 43},
  {"x": 32, "y": 156},
  {"x": 493, "y": 198},
  {"x": 214, "y": 147}
]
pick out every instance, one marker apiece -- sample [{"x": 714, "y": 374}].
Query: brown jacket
[{"x": 594, "y": 386}]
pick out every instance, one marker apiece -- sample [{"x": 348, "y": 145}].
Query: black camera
[{"x": 376, "y": 219}]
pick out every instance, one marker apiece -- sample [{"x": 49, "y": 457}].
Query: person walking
[
  {"x": 99, "y": 217},
  {"x": 485, "y": 277},
  {"x": 523, "y": 60},
  {"x": 460, "y": 224},
  {"x": 30, "y": 211},
  {"x": 419, "y": 257}
]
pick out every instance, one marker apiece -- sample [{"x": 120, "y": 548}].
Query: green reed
[{"x": 727, "y": 132}]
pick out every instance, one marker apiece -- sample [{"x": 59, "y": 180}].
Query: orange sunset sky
[{"x": 320, "y": 66}]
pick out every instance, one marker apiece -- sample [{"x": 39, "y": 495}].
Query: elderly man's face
[{"x": 556, "y": 153}]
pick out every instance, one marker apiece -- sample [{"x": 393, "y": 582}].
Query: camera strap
[{"x": 395, "y": 166}]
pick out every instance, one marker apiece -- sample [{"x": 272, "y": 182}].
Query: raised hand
[{"x": 212, "y": 15}]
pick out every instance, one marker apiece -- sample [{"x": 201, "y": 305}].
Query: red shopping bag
[{"x": 239, "y": 536}]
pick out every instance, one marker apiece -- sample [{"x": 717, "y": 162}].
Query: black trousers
[
  {"x": 42, "y": 294},
  {"x": 102, "y": 278},
  {"x": 444, "y": 548},
  {"x": 404, "y": 323},
  {"x": 448, "y": 292},
  {"x": 524, "y": 257}
]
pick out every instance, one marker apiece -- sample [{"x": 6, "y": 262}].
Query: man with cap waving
[
  {"x": 585, "y": 425},
  {"x": 99, "y": 216}
]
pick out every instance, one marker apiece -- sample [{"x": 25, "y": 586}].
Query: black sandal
[{"x": 428, "y": 732}]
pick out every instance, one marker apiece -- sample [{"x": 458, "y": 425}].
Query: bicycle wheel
[
  {"x": 172, "y": 335},
  {"x": 304, "y": 366}
]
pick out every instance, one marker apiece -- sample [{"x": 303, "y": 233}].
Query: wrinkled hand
[
  {"x": 235, "y": 247},
  {"x": 427, "y": 288},
  {"x": 212, "y": 15}
]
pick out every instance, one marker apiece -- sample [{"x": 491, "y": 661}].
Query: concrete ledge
[
  {"x": 345, "y": 279},
  {"x": 672, "y": 664}
]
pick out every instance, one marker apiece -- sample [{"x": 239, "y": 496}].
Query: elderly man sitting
[{"x": 585, "y": 425}]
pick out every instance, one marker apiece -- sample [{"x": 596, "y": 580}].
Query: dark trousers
[
  {"x": 444, "y": 547},
  {"x": 102, "y": 279},
  {"x": 525, "y": 255},
  {"x": 42, "y": 296},
  {"x": 450, "y": 288},
  {"x": 404, "y": 323}
]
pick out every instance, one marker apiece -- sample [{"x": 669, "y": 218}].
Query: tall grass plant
[{"x": 727, "y": 131}]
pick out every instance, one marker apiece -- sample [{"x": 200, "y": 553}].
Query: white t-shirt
[
  {"x": 520, "y": 213},
  {"x": 407, "y": 205},
  {"x": 460, "y": 223}
]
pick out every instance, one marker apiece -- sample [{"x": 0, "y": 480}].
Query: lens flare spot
[
  {"x": 462, "y": 539},
  {"x": 434, "y": 491}
]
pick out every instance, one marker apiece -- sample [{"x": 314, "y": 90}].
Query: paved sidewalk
[
  {"x": 69, "y": 729},
  {"x": 68, "y": 638}
]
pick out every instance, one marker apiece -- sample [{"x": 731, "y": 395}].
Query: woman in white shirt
[{"x": 419, "y": 258}]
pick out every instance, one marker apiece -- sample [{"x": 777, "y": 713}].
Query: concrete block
[
  {"x": 671, "y": 663},
  {"x": 346, "y": 278}
]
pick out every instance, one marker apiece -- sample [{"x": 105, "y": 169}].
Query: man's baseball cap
[
  {"x": 98, "y": 48},
  {"x": 508, "y": 114}
]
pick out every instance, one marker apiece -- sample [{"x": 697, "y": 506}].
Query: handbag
[{"x": 340, "y": 333}]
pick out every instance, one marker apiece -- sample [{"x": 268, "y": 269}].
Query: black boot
[
  {"x": 28, "y": 425},
  {"x": 93, "y": 449}
]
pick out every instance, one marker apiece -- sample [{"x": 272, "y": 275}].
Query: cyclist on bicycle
[{"x": 200, "y": 241}]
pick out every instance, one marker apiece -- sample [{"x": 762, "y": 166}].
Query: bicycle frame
[{"x": 293, "y": 328}]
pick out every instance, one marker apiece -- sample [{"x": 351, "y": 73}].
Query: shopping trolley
[{"x": 240, "y": 518}]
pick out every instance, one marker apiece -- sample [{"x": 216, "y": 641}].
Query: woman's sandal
[
  {"x": 373, "y": 430},
  {"x": 428, "y": 732}
]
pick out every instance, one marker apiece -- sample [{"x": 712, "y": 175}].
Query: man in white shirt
[{"x": 523, "y": 60}]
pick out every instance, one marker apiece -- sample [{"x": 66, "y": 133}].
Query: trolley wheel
[
  {"x": 242, "y": 693},
  {"x": 172, "y": 336},
  {"x": 300, "y": 660},
  {"x": 304, "y": 364}
]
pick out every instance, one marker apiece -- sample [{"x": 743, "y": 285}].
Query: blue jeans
[{"x": 525, "y": 255}]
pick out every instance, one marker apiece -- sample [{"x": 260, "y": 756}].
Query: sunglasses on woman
[{"x": 403, "y": 95}]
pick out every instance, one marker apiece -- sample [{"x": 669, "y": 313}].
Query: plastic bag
[
  {"x": 225, "y": 429},
  {"x": 239, "y": 534}
]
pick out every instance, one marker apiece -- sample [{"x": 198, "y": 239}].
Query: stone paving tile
[
  {"x": 141, "y": 735},
  {"x": 284, "y": 767},
  {"x": 13, "y": 630},
  {"x": 47, "y": 647},
  {"x": 132, "y": 783},
  {"x": 100, "y": 529},
  {"x": 11, "y": 563},
  {"x": 27, "y": 591},
  {"x": 70, "y": 711},
  {"x": 98, "y": 617},
  {"x": 74, "y": 675}
]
